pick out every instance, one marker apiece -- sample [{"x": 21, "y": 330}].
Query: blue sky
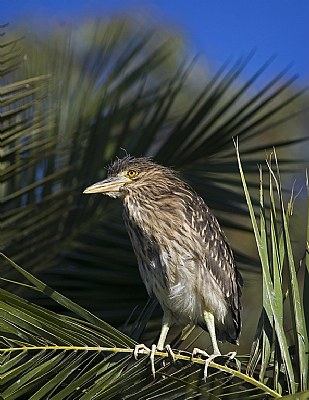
[{"x": 216, "y": 28}]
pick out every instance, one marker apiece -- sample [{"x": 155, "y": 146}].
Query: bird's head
[{"x": 129, "y": 174}]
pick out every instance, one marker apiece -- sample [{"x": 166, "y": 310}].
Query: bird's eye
[{"x": 131, "y": 173}]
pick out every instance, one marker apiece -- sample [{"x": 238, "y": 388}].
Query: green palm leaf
[
  {"x": 49, "y": 354},
  {"x": 271, "y": 344}
]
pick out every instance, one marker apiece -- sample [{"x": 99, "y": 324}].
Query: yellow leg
[
  {"x": 166, "y": 323},
  {"x": 210, "y": 323}
]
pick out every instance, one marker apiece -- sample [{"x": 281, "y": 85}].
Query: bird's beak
[{"x": 110, "y": 185}]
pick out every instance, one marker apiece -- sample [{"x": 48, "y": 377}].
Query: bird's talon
[
  {"x": 170, "y": 353},
  {"x": 198, "y": 352},
  {"x": 231, "y": 355},
  {"x": 209, "y": 358},
  {"x": 152, "y": 362},
  {"x": 140, "y": 349},
  {"x": 207, "y": 362}
]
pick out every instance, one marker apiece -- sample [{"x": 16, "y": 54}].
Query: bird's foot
[
  {"x": 140, "y": 349},
  {"x": 209, "y": 359},
  {"x": 170, "y": 353},
  {"x": 231, "y": 355},
  {"x": 151, "y": 356},
  {"x": 168, "y": 350}
]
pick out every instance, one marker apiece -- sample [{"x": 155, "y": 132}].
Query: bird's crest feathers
[{"x": 139, "y": 163}]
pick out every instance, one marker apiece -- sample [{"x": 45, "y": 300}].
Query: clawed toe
[
  {"x": 140, "y": 349},
  {"x": 231, "y": 355},
  {"x": 207, "y": 362},
  {"x": 199, "y": 352},
  {"x": 170, "y": 353},
  {"x": 209, "y": 359},
  {"x": 154, "y": 348},
  {"x": 152, "y": 361}
]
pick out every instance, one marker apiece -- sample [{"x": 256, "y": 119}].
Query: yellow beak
[{"x": 109, "y": 185}]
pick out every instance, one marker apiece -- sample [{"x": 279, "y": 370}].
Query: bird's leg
[
  {"x": 166, "y": 323},
  {"x": 210, "y": 323},
  {"x": 141, "y": 348}
]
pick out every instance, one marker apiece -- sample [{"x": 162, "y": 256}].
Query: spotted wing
[{"x": 219, "y": 259}]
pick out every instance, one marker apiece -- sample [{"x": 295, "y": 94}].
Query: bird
[{"x": 183, "y": 255}]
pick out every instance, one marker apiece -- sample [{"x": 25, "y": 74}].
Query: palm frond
[
  {"x": 273, "y": 345},
  {"x": 48, "y": 354}
]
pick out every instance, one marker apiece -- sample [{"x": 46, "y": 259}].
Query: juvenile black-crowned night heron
[{"x": 183, "y": 255}]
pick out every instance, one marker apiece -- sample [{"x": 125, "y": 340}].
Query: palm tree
[{"x": 72, "y": 103}]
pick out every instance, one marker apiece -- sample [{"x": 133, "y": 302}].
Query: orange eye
[{"x": 131, "y": 173}]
